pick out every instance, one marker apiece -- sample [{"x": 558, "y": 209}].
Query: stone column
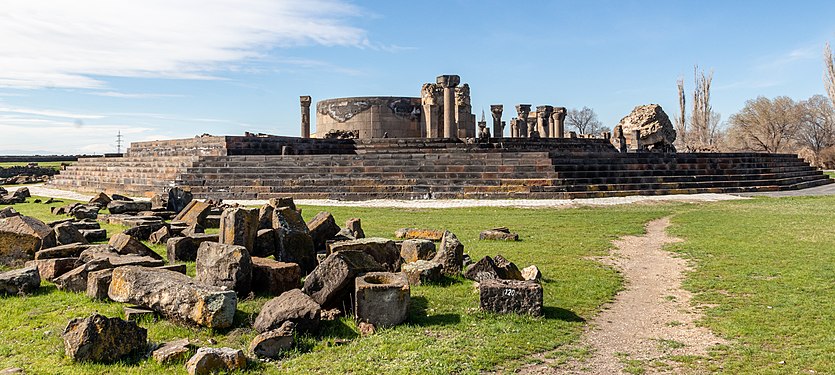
[
  {"x": 543, "y": 115},
  {"x": 522, "y": 111},
  {"x": 305, "y": 103},
  {"x": 498, "y": 129},
  {"x": 558, "y": 122},
  {"x": 448, "y": 82},
  {"x": 464, "y": 117},
  {"x": 432, "y": 100}
]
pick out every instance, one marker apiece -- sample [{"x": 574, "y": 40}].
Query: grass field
[
  {"x": 46, "y": 164},
  {"x": 766, "y": 265}
]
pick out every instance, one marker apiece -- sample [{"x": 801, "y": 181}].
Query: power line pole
[{"x": 119, "y": 142}]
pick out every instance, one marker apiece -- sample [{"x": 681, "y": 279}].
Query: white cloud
[
  {"x": 131, "y": 95},
  {"x": 72, "y": 44}
]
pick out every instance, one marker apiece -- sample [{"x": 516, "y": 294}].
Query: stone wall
[
  {"x": 371, "y": 117},
  {"x": 239, "y": 145}
]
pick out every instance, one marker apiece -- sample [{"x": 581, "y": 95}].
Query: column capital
[
  {"x": 523, "y": 110},
  {"x": 305, "y": 100},
  {"x": 544, "y": 111},
  {"x": 448, "y": 81},
  {"x": 496, "y": 108}
]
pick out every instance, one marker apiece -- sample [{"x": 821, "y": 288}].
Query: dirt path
[{"x": 647, "y": 322}]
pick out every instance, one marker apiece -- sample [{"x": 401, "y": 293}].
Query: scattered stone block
[
  {"x": 67, "y": 233},
  {"x": 482, "y": 270},
  {"x": 108, "y": 253},
  {"x": 98, "y": 282},
  {"x": 193, "y": 230},
  {"x": 382, "y": 298},
  {"x": 174, "y": 295},
  {"x": 72, "y": 250},
  {"x": 85, "y": 212},
  {"x": 283, "y": 202},
  {"x": 120, "y": 197},
  {"x": 322, "y": 228},
  {"x": 86, "y": 224},
  {"x": 49, "y": 269},
  {"x": 383, "y": 250},
  {"x": 450, "y": 254},
  {"x": 532, "y": 273},
  {"x": 423, "y": 271},
  {"x": 354, "y": 225},
  {"x": 76, "y": 279},
  {"x": 94, "y": 235},
  {"x": 506, "y": 269},
  {"x": 195, "y": 212},
  {"x": 126, "y": 244},
  {"x": 160, "y": 236},
  {"x": 173, "y": 352},
  {"x": 20, "y": 237},
  {"x": 424, "y": 234},
  {"x": 8, "y": 212},
  {"x": 416, "y": 249},
  {"x": 293, "y": 306},
  {"x": 225, "y": 266},
  {"x": 178, "y": 199},
  {"x": 143, "y": 229},
  {"x": 185, "y": 248},
  {"x": 239, "y": 226},
  {"x": 271, "y": 344},
  {"x": 265, "y": 217},
  {"x": 295, "y": 244},
  {"x": 332, "y": 282},
  {"x": 273, "y": 277},
  {"x": 102, "y": 339},
  {"x": 511, "y": 296},
  {"x": 366, "y": 329},
  {"x": 121, "y": 206},
  {"x": 159, "y": 202},
  {"x": 179, "y": 268},
  {"x": 498, "y": 234},
  {"x": 264, "y": 243},
  {"x": 20, "y": 281},
  {"x": 101, "y": 199},
  {"x": 212, "y": 360}
]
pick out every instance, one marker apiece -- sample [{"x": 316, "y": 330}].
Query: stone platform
[{"x": 415, "y": 168}]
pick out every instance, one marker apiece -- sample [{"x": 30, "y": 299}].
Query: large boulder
[
  {"x": 383, "y": 250},
  {"x": 214, "y": 360},
  {"x": 656, "y": 129},
  {"x": 20, "y": 237},
  {"x": 332, "y": 282},
  {"x": 102, "y": 339},
  {"x": 322, "y": 228},
  {"x": 225, "y": 266},
  {"x": 291, "y": 306},
  {"x": 20, "y": 281},
  {"x": 450, "y": 254},
  {"x": 295, "y": 244},
  {"x": 273, "y": 277},
  {"x": 174, "y": 295},
  {"x": 239, "y": 226}
]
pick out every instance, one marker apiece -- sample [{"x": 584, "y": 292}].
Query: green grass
[
  {"x": 45, "y": 164},
  {"x": 831, "y": 174},
  {"x": 767, "y": 265}
]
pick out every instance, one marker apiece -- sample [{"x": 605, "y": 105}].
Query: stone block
[
  {"x": 511, "y": 296},
  {"x": 20, "y": 237},
  {"x": 331, "y": 284},
  {"x": 49, "y": 269},
  {"x": 226, "y": 266},
  {"x": 265, "y": 243},
  {"x": 271, "y": 344},
  {"x": 175, "y": 296},
  {"x": 20, "y": 281},
  {"x": 383, "y": 250},
  {"x": 194, "y": 212},
  {"x": 239, "y": 226},
  {"x": 98, "y": 282},
  {"x": 498, "y": 234},
  {"x": 102, "y": 339},
  {"x": 67, "y": 233},
  {"x": 273, "y": 277},
  {"x": 414, "y": 250},
  {"x": 354, "y": 225},
  {"x": 424, "y": 234},
  {"x": 293, "y": 306},
  {"x": 121, "y": 207},
  {"x": 450, "y": 254},
  {"x": 173, "y": 352},
  {"x": 322, "y": 228},
  {"x": 214, "y": 360},
  {"x": 423, "y": 271},
  {"x": 64, "y": 251},
  {"x": 94, "y": 235},
  {"x": 382, "y": 298}
]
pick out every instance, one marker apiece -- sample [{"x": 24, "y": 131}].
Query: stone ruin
[
  {"x": 646, "y": 128},
  {"x": 343, "y": 273}
]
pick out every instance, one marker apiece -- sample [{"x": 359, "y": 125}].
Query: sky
[{"x": 73, "y": 74}]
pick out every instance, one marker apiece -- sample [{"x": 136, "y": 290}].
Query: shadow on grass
[
  {"x": 553, "y": 312},
  {"x": 418, "y": 315}
]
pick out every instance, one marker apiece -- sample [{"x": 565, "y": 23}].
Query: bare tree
[
  {"x": 817, "y": 126},
  {"x": 703, "y": 121},
  {"x": 584, "y": 120},
  {"x": 829, "y": 75},
  {"x": 681, "y": 119},
  {"x": 765, "y": 124}
]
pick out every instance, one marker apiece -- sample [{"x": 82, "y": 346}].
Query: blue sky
[{"x": 72, "y": 74}]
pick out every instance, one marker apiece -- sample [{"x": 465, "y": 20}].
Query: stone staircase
[{"x": 440, "y": 169}]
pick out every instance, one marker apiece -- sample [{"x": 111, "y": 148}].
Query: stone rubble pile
[{"x": 314, "y": 270}]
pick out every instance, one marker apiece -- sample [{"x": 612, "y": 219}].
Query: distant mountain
[{"x": 29, "y": 152}]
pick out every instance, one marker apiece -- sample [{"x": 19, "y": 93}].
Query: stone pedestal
[
  {"x": 305, "y": 105},
  {"x": 522, "y": 112},
  {"x": 498, "y": 126},
  {"x": 543, "y": 116},
  {"x": 510, "y": 296},
  {"x": 382, "y": 298},
  {"x": 448, "y": 82}
]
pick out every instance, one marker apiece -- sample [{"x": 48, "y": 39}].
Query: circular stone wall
[{"x": 370, "y": 117}]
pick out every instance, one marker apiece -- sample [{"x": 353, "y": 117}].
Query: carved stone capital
[
  {"x": 523, "y": 110},
  {"x": 305, "y": 100},
  {"x": 544, "y": 111},
  {"x": 496, "y": 109},
  {"x": 448, "y": 81}
]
